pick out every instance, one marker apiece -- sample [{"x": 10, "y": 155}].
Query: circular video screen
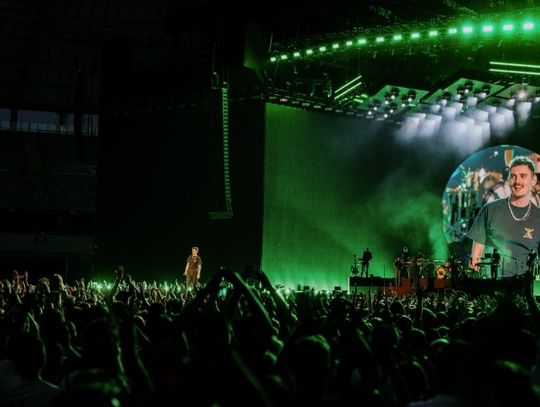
[{"x": 478, "y": 180}]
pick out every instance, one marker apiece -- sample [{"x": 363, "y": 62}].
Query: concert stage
[{"x": 388, "y": 286}]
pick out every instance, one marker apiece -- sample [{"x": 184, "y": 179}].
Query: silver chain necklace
[{"x": 514, "y": 216}]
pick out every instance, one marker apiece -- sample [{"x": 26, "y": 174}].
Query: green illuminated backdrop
[{"x": 334, "y": 186}]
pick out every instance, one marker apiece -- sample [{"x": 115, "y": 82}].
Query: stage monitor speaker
[{"x": 358, "y": 281}]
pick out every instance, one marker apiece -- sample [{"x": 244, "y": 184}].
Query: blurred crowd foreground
[{"x": 240, "y": 341}]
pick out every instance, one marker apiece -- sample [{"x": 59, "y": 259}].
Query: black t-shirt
[{"x": 495, "y": 227}]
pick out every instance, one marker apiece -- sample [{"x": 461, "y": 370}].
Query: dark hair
[{"x": 522, "y": 160}]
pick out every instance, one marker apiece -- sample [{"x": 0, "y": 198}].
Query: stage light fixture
[
  {"x": 497, "y": 24},
  {"x": 462, "y": 88},
  {"x": 392, "y": 101}
]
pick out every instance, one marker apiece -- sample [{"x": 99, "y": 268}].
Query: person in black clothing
[
  {"x": 406, "y": 262},
  {"x": 495, "y": 263},
  {"x": 367, "y": 256},
  {"x": 532, "y": 263}
]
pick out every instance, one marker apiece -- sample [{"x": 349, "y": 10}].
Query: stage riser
[{"x": 359, "y": 285}]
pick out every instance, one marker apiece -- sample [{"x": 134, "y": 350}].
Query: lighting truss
[
  {"x": 488, "y": 108},
  {"x": 520, "y": 92},
  {"x": 472, "y": 112},
  {"x": 466, "y": 91},
  {"x": 390, "y": 102},
  {"x": 497, "y": 27}
]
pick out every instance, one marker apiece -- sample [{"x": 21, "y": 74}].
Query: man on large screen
[{"x": 511, "y": 225}]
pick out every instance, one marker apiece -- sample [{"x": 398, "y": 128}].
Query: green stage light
[
  {"x": 513, "y": 71},
  {"x": 469, "y": 29},
  {"x": 283, "y": 57},
  {"x": 296, "y": 54},
  {"x": 348, "y": 87},
  {"x": 344, "y": 92},
  {"x": 350, "y": 83},
  {"x": 309, "y": 51},
  {"x": 513, "y": 64}
]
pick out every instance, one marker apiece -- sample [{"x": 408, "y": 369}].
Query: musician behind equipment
[{"x": 367, "y": 256}]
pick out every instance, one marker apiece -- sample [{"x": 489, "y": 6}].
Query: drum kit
[
  {"x": 443, "y": 270},
  {"x": 423, "y": 267}
]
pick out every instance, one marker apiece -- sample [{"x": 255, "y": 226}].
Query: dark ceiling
[{"x": 53, "y": 52}]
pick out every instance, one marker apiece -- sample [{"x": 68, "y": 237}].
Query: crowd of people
[{"x": 237, "y": 340}]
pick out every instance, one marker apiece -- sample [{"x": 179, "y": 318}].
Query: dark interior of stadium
[
  {"x": 133, "y": 169},
  {"x": 361, "y": 181}
]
